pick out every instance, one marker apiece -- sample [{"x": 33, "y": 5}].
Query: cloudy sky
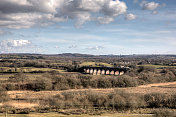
[{"x": 88, "y": 26}]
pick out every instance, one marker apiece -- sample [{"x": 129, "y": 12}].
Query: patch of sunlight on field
[
  {"x": 42, "y": 69},
  {"x": 5, "y": 76},
  {"x": 60, "y": 115},
  {"x": 95, "y": 64}
]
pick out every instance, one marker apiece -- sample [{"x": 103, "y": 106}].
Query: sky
[{"x": 98, "y": 27}]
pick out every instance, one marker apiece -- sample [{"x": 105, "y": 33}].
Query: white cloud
[
  {"x": 13, "y": 46},
  {"x": 130, "y": 16},
  {"x": 149, "y": 5},
  {"x": 27, "y": 13},
  {"x": 95, "y": 47},
  {"x": 105, "y": 20},
  {"x": 18, "y": 43}
]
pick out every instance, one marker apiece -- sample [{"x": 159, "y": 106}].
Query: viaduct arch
[{"x": 104, "y": 70}]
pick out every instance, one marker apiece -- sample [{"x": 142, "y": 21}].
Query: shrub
[
  {"x": 155, "y": 100},
  {"x": 104, "y": 83},
  {"x": 146, "y": 69},
  {"x": 164, "y": 113},
  {"x": 10, "y": 87},
  {"x": 25, "y": 111},
  {"x": 125, "y": 81},
  {"x": 40, "y": 84},
  {"x": 98, "y": 99},
  {"x": 117, "y": 101},
  {"x": 3, "y": 95}
]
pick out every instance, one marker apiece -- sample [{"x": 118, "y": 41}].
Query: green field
[
  {"x": 30, "y": 76},
  {"x": 27, "y": 69},
  {"x": 95, "y": 64},
  {"x": 158, "y": 66}
]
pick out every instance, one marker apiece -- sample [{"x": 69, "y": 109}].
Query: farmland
[
  {"x": 158, "y": 66},
  {"x": 95, "y": 64},
  {"x": 49, "y": 86}
]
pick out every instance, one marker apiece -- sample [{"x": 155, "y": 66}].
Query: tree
[{"x": 19, "y": 78}]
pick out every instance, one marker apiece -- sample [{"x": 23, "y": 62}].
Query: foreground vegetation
[
  {"x": 69, "y": 93},
  {"x": 84, "y": 115}
]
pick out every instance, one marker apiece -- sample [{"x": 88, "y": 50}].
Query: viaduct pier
[{"x": 104, "y": 70}]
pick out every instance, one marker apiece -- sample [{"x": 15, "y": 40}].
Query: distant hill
[
  {"x": 75, "y": 55},
  {"x": 78, "y": 55}
]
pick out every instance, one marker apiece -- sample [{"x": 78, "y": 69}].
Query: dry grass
[
  {"x": 32, "y": 95},
  {"x": 140, "y": 89},
  {"x": 60, "y": 115},
  {"x": 5, "y": 76},
  {"x": 46, "y": 94},
  {"x": 21, "y": 104},
  {"x": 159, "y": 84}
]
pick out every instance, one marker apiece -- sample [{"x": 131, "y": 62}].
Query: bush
[
  {"x": 158, "y": 100},
  {"x": 10, "y": 87},
  {"x": 98, "y": 99},
  {"x": 124, "y": 81},
  {"x": 40, "y": 84},
  {"x": 117, "y": 101},
  {"x": 3, "y": 95},
  {"x": 154, "y": 100},
  {"x": 104, "y": 83},
  {"x": 164, "y": 113},
  {"x": 146, "y": 69}
]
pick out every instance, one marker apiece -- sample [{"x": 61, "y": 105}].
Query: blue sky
[{"x": 126, "y": 27}]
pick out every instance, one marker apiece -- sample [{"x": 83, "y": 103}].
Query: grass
[
  {"x": 30, "y": 76},
  {"x": 157, "y": 66},
  {"x": 95, "y": 64},
  {"x": 28, "y": 69},
  {"x": 5, "y": 76},
  {"x": 42, "y": 94},
  {"x": 84, "y": 115}
]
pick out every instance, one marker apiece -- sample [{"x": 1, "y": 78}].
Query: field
[
  {"x": 27, "y": 69},
  {"x": 61, "y": 115},
  {"x": 158, "y": 66},
  {"x": 30, "y": 76},
  {"x": 46, "y": 88},
  {"x": 25, "y": 96},
  {"x": 169, "y": 88},
  {"x": 95, "y": 64}
]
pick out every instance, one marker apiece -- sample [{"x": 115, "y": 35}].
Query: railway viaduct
[{"x": 104, "y": 70}]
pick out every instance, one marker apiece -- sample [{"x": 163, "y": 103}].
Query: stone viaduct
[{"x": 104, "y": 70}]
